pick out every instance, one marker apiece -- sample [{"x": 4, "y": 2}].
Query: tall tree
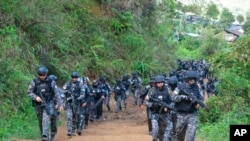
[
  {"x": 194, "y": 8},
  {"x": 246, "y": 25},
  {"x": 240, "y": 18},
  {"x": 226, "y": 17},
  {"x": 212, "y": 11}
]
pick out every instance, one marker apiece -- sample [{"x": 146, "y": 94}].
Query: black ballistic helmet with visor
[
  {"x": 74, "y": 75},
  {"x": 159, "y": 79},
  {"x": 42, "y": 70},
  {"x": 191, "y": 75}
]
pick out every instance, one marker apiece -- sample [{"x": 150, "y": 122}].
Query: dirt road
[{"x": 130, "y": 124}]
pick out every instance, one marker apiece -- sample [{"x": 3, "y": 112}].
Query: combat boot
[
  {"x": 85, "y": 126},
  {"x": 52, "y": 138},
  {"x": 44, "y": 138},
  {"x": 70, "y": 134},
  {"x": 79, "y": 131}
]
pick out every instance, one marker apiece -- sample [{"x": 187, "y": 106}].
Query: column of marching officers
[
  {"x": 82, "y": 101},
  {"x": 172, "y": 115}
]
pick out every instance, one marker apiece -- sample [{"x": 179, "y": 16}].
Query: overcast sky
[{"x": 235, "y": 6}]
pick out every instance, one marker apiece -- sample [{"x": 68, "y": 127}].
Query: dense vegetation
[{"x": 114, "y": 37}]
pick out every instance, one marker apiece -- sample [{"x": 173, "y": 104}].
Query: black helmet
[
  {"x": 125, "y": 77},
  {"x": 95, "y": 82},
  {"x": 52, "y": 77},
  {"x": 102, "y": 79},
  {"x": 74, "y": 75},
  {"x": 134, "y": 73},
  {"x": 151, "y": 80},
  {"x": 42, "y": 70},
  {"x": 159, "y": 79},
  {"x": 164, "y": 74},
  {"x": 118, "y": 81},
  {"x": 173, "y": 80},
  {"x": 191, "y": 75},
  {"x": 85, "y": 80}
]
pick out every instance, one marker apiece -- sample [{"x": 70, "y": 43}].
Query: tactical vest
[
  {"x": 44, "y": 90},
  {"x": 97, "y": 91},
  {"x": 187, "y": 105},
  {"x": 74, "y": 88},
  {"x": 126, "y": 83},
  {"x": 103, "y": 86},
  {"x": 135, "y": 82},
  {"x": 86, "y": 91},
  {"x": 119, "y": 89},
  {"x": 162, "y": 95}
]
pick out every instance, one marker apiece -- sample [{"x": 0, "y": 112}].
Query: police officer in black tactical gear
[
  {"x": 136, "y": 83},
  {"x": 126, "y": 81},
  {"x": 161, "y": 116},
  {"x": 210, "y": 87},
  {"x": 99, "y": 95},
  {"x": 55, "y": 117},
  {"x": 106, "y": 88},
  {"x": 75, "y": 102},
  {"x": 172, "y": 84},
  {"x": 144, "y": 96},
  {"x": 187, "y": 110},
  {"x": 119, "y": 91},
  {"x": 86, "y": 109},
  {"x": 43, "y": 92}
]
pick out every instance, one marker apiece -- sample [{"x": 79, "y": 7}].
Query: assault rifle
[
  {"x": 194, "y": 99},
  {"x": 46, "y": 105},
  {"x": 161, "y": 103},
  {"x": 69, "y": 96},
  {"x": 100, "y": 100}
]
